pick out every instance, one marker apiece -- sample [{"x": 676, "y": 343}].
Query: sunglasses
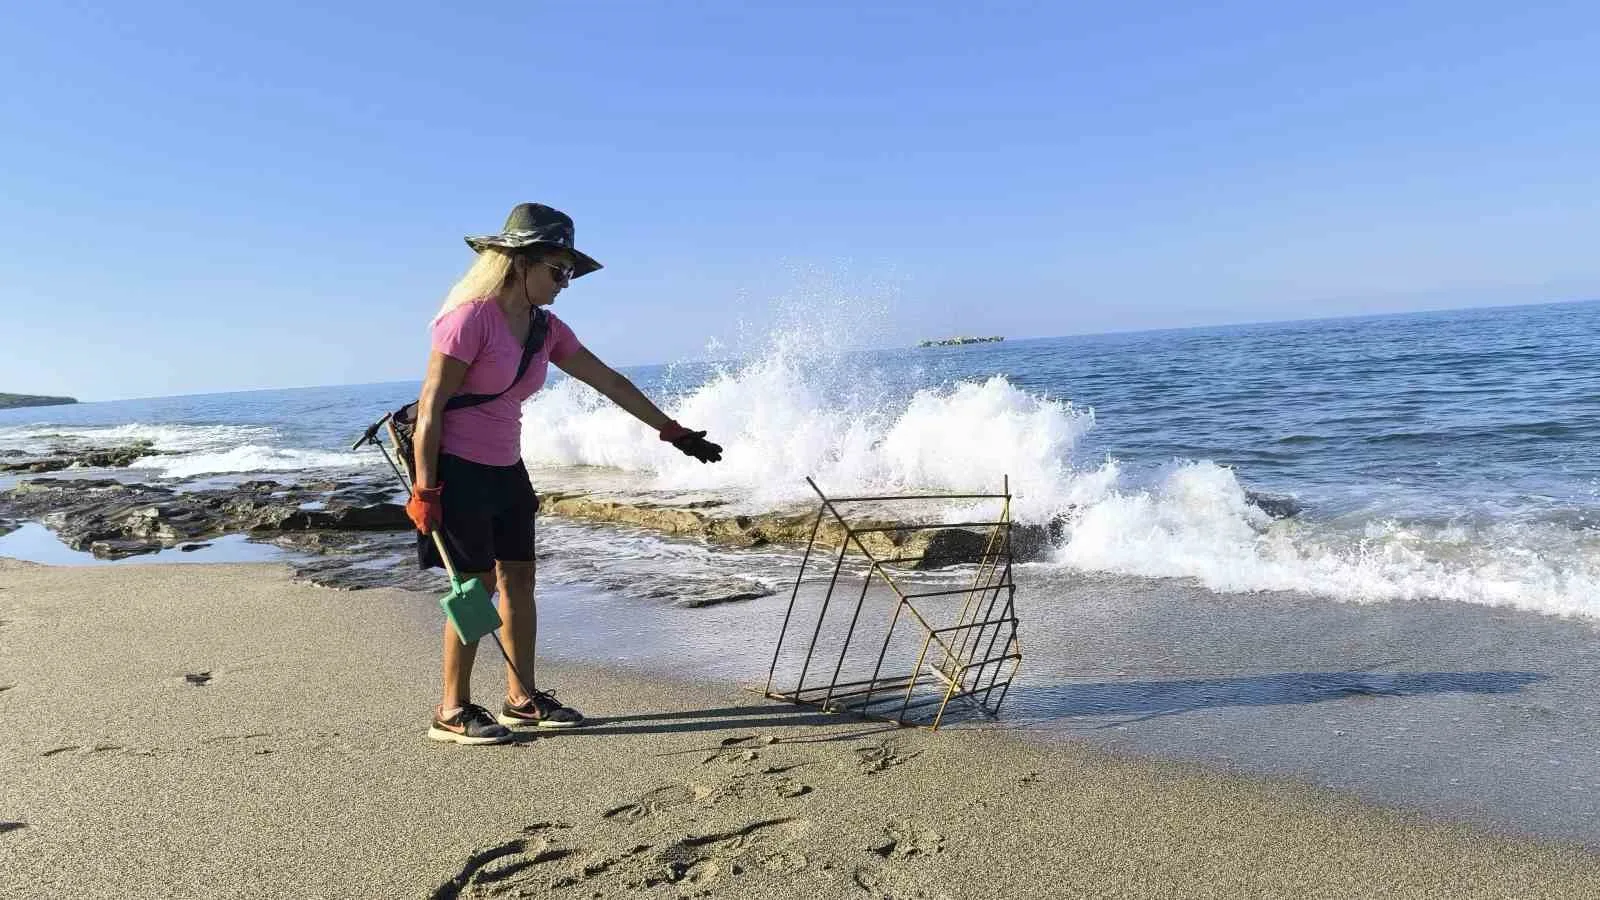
[{"x": 559, "y": 271}]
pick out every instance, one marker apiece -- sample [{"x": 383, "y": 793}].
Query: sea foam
[{"x": 787, "y": 413}]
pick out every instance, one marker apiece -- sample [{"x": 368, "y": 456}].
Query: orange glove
[{"x": 425, "y": 508}]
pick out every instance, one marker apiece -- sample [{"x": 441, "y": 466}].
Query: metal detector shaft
[{"x": 444, "y": 555}]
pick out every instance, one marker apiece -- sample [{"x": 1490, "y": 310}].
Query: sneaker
[
  {"x": 542, "y": 710},
  {"x": 472, "y": 725}
]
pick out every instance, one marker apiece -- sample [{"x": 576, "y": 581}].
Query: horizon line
[{"x": 879, "y": 349}]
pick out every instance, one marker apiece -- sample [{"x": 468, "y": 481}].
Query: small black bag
[{"x": 402, "y": 422}]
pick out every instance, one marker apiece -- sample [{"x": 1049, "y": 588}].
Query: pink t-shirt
[{"x": 477, "y": 334}]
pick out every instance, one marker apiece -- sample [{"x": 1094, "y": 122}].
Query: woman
[{"x": 470, "y": 482}]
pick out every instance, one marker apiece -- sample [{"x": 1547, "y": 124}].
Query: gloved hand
[
  {"x": 426, "y": 508},
  {"x": 692, "y": 443}
]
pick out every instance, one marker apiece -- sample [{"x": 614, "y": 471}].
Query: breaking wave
[
  {"x": 786, "y": 414},
  {"x": 251, "y": 458},
  {"x": 1197, "y": 522}
]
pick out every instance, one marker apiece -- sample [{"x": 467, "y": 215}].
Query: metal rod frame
[{"x": 966, "y": 661}]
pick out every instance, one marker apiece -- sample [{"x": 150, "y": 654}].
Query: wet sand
[{"x": 298, "y": 768}]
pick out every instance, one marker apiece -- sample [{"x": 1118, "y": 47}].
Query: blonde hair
[{"x": 484, "y": 278}]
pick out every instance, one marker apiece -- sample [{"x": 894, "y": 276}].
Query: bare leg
[
  {"x": 458, "y": 659},
  {"x": 520, "y": 629}
]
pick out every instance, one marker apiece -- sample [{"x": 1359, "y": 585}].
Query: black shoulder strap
[{"x": 538, "y": 331}]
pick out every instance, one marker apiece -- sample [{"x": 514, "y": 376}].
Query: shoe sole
[
  {"x": 511, "y": 722},
  {"x": 450, "y": 737}
]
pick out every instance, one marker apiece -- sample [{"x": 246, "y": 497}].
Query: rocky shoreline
[{"x": 346, "y": 528}]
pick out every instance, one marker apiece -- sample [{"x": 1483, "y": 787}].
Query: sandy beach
[{"x": 299, "y": 769}]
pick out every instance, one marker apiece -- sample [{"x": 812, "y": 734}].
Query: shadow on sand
[
  {"x": 1139, "y": 699},
  {"x": 1150, "y": 699},
  {"x": 757, "y": 715}
]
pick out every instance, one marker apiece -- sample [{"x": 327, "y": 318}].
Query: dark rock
[
  {"x": 112, "y": 549},
  {"x": 1276, "y": 507},
  {"x": 884, "y": 539},
  {"x": 113, "y": 519},
  {"x": 320, "y": 541},
  {"x": 1034, "y": 541},
  {"x": 697, "y": 594},
  {"x": 36, "y": 466},
  {"x": 953, "y": 546},
  {"x": 115, "y": 458},
  {"x": 98, "y": 458},
  {"x": 377, "y": 517}
]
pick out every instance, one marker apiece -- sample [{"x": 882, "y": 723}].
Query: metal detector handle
[{"x": 371, "y": 434}]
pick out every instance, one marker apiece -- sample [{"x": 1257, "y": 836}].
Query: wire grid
[{"x": 917, "y": 668}]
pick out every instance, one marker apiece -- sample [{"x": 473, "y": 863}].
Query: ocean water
[
  {"x": 1421, "y": 633},
  {"x": 1440, "y": 456}
]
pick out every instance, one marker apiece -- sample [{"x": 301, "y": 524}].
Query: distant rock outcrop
[
  {"x": 8, "y": 401},
  {"x": 957, "y": 341}
]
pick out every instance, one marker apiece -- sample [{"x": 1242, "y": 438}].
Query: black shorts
[{"x": 488, "y": 515}]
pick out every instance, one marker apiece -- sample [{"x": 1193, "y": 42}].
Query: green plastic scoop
[{"x": 467, "y": 606}]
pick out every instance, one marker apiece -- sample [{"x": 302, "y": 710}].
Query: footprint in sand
[
  {"x": 749, "y": 786},
  {"x": 905, "y": 839},
  {"x": 789, "y": 788},
  {"x": 536, "y": 866},
  {"x": 731, "y": 760},
  {"x": 779, "y": 770},
  {"x": 513, "y": 868},
  {"x": 697, "y": 861},
  {"x": 883, "y": 755},
  {"x": 625, "y": 861},
  {"x": 451, "y": 889},
  {"x": 885, "y": 883},
  {"x": 784, "y": 862},
  {"x": 738, "y": 750},
  {"x": 654, "y": 802}
]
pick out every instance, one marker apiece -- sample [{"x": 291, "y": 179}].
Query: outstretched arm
[{"x": 587, "y": 368}]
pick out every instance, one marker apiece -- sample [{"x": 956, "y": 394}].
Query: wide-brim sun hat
[{"x": 536, "y": 225}]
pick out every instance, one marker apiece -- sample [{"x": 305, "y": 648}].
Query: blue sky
[{"x": 274, "y": 195}]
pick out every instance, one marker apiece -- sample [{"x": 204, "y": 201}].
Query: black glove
[{"x": 692, "y": 443}]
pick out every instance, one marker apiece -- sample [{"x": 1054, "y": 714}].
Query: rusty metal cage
[{"x": 929, "y": 653}]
